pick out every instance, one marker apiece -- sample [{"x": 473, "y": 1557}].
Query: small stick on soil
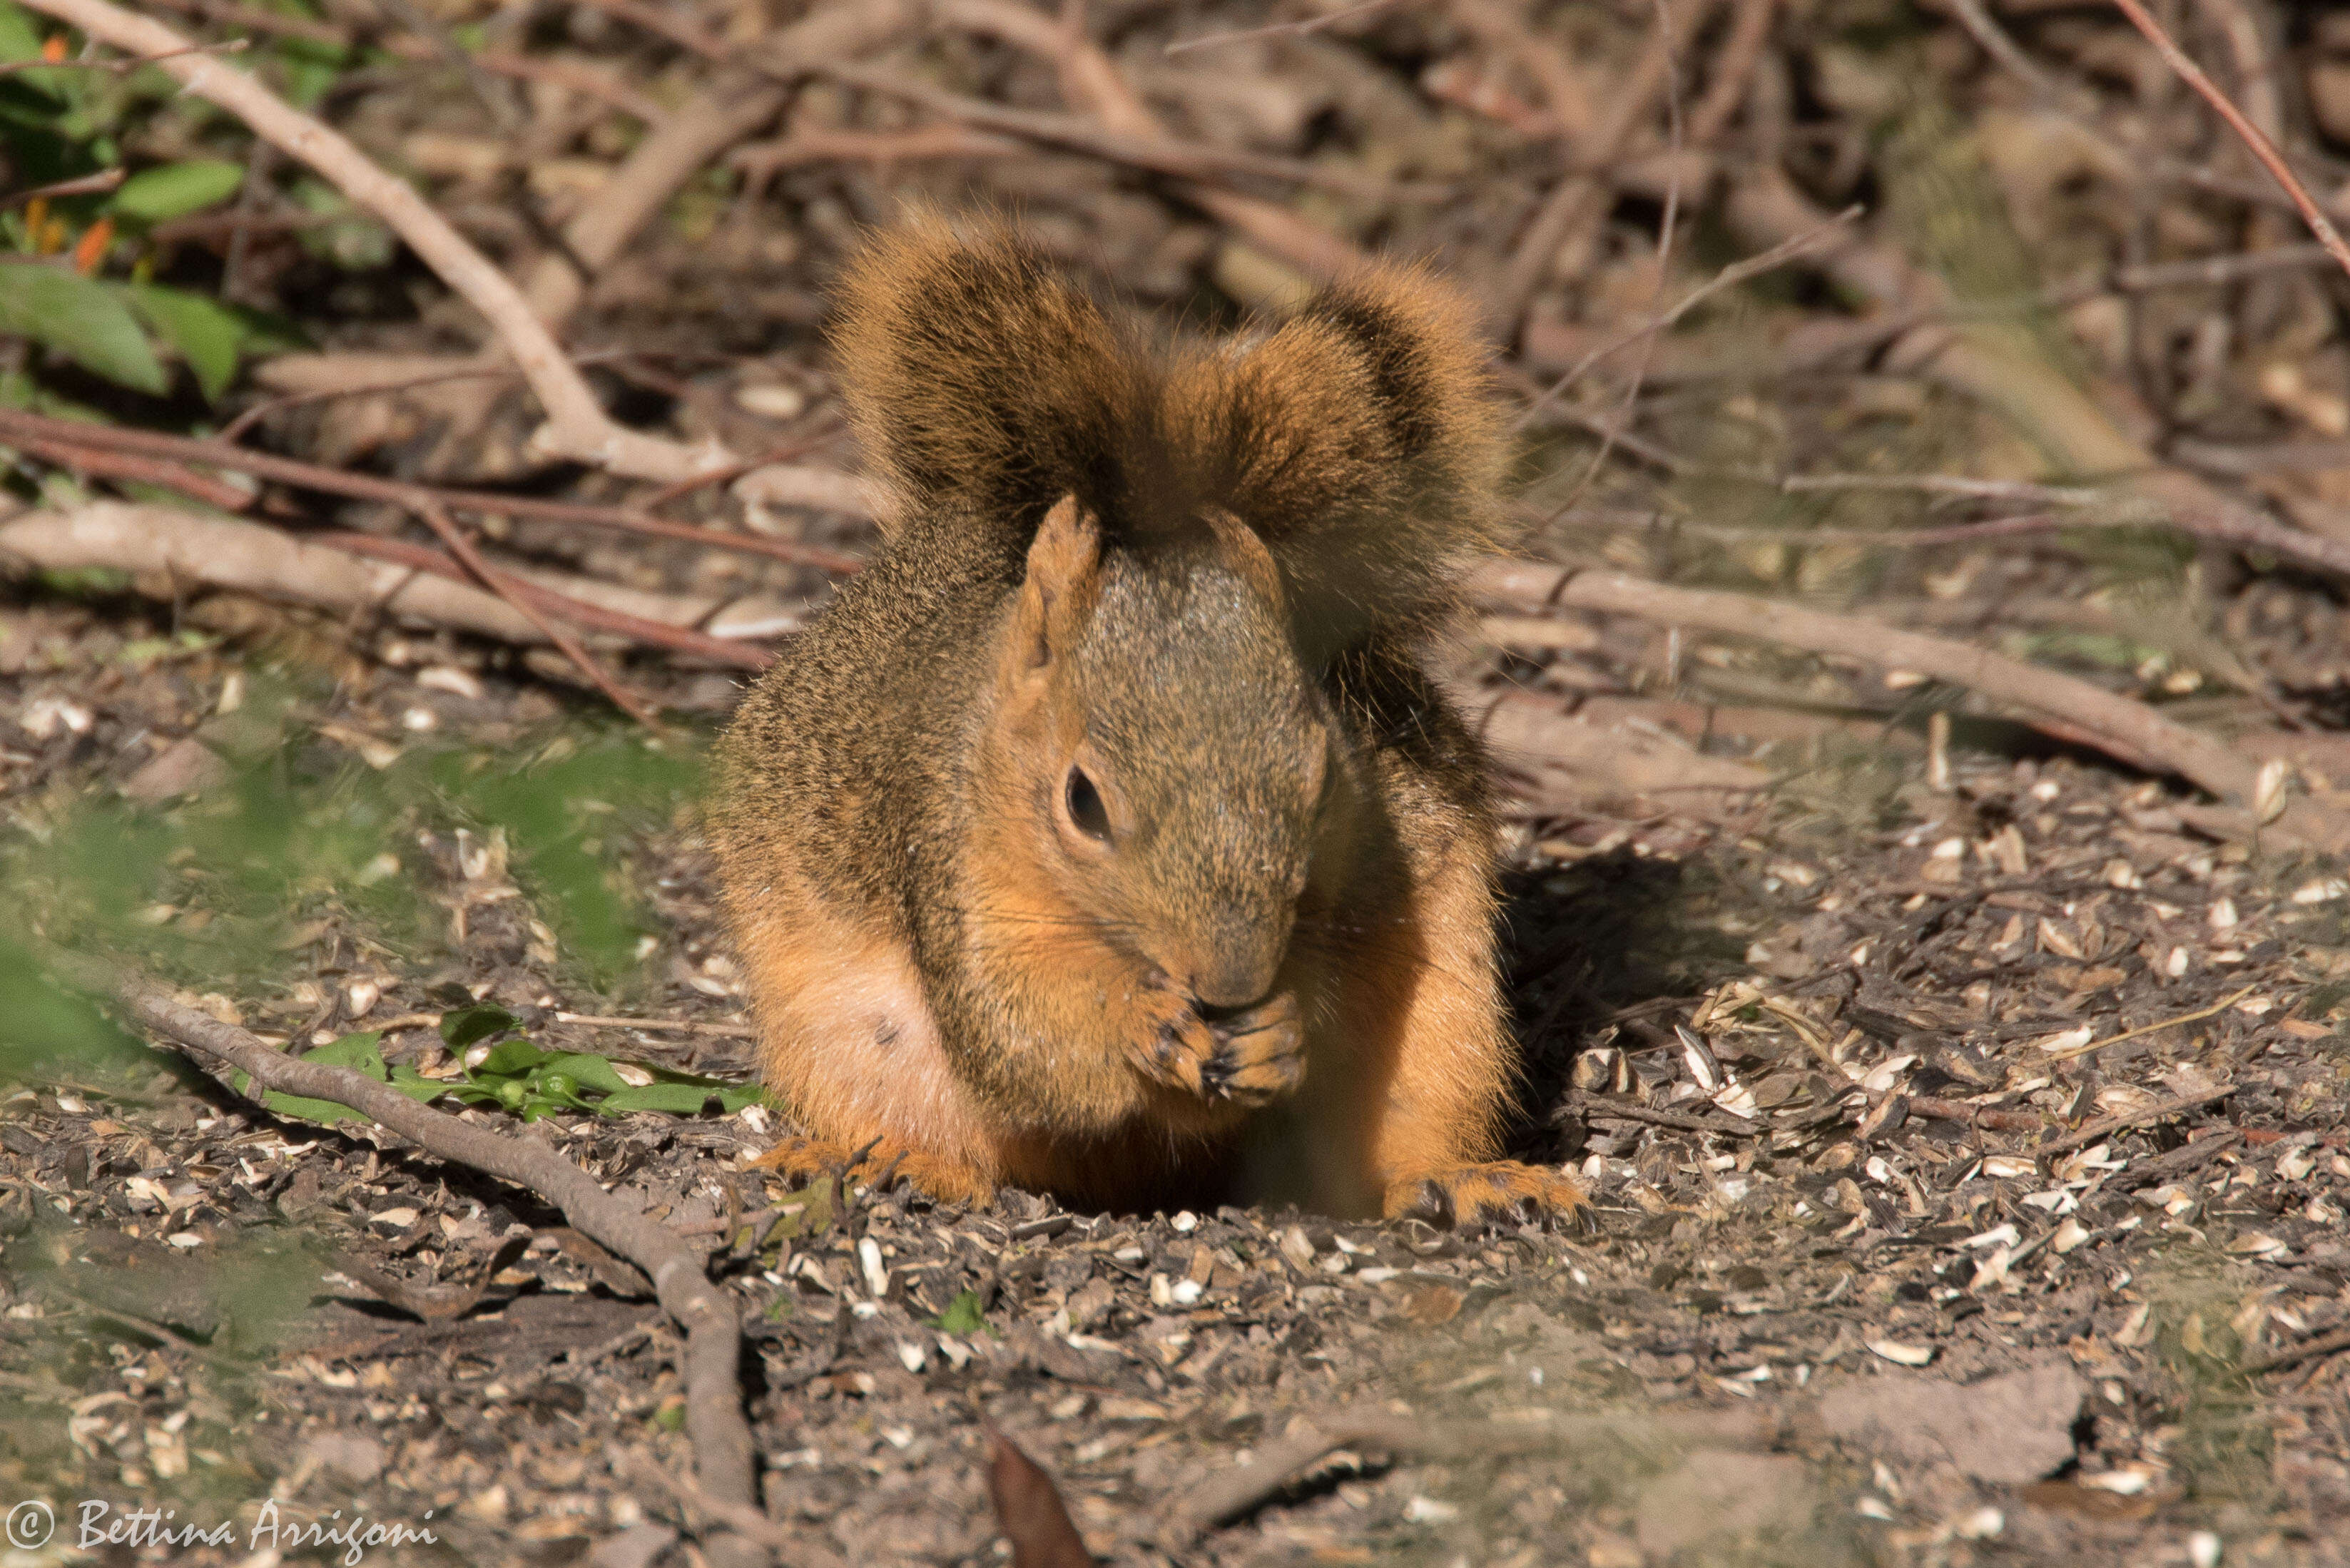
[
  {"x": 1723, "y": 1122},
  {"x": 723, "y": 1448},
  {"x": 761, "y": 160},
  {"x": 1959, "y": 1111},
  {"x": 577, "y": 426},
  {"x": 672, "y": 1025},
  {"x": 2250, "y": 134},
  {"x": 502, "y": 585},
  {"x": 2213, "y": 1011},
  {"x": 1229, "y": 1494},
  {"x": 2090, "y": 1132}
]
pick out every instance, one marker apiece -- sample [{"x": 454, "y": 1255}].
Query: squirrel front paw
[{"x": 1251, "y": 1058}]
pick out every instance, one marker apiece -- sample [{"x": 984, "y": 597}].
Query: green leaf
[
  {"x": 83, "y": 319},
  {"x": 362, "y": 1052},
  {"x": 416, "y": 1086},
  {"x": 589, "y": 1072},
  {"x": 175, "y": 189},
  {"x": 511, "y": 1060},
  {"x": 207, "y": 333},
  {"x": 676, "y": 1099},
  {"x": 467, "y": 1025},
  {"x": 963, "y": 1314}
]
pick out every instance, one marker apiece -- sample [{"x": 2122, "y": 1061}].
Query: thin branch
[
  {"x": 1728, "y": 277},
  {"x": 16, "y": 424},
  {"x": 1282, "y": 30},
  {"x": 164, "y": 545},
  {"x": 81, "y": 185},
  {"x": 2252, "y": 135},
  {"x": 500, "y": 584}
]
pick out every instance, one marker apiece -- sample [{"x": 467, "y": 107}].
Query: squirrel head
[
  {"x": 1193, "y": 534},
  {"x": 1158, "y": 756}
]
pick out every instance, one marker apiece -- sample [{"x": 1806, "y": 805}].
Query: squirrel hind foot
[
  {"x": 1494, "y": 1192},
  {"x": 945, "y": 1180}
]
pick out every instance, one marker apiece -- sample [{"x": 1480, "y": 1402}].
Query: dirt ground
[{"x": 1820, "y": 1311}]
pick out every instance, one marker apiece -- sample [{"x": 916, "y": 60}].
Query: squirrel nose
[{"x": 1233, "y": 985}]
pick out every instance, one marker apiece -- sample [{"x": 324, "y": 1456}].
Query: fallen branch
[
  {"x": 576, "y": 425},
  {"x": 15, "y": 424},
  {"x": 2064, "y": 705},
  {"x": 725, "y": 1457},
  {"x": 168, "y": 551}
]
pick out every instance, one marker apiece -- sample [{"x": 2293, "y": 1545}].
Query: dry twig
[
  {"x": 15, "y": 424},
  {"x": 2073, "y": 709}
]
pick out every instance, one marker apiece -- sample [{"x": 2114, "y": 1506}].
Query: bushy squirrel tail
[{"x": 1357, "y": 437}]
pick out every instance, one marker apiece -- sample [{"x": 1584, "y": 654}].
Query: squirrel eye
[{"x": 1085, "y": 806}]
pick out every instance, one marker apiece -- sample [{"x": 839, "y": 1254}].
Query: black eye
[{"x": 1084, "y": 804}]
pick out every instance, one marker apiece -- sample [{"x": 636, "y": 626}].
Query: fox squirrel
[{"x": 1104, "y": 835}]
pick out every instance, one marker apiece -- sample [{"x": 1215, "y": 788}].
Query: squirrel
[{"x": 1103, "y": 836}]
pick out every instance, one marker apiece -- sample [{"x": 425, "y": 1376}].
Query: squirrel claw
[
  {"x": 1250, "y": 1058},
  {"x": 1496, "y": 1192}
]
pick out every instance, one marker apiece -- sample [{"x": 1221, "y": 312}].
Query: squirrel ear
[
  {"x": 1064, "y": 578},
  {"x": 1240, "y": 548}
]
